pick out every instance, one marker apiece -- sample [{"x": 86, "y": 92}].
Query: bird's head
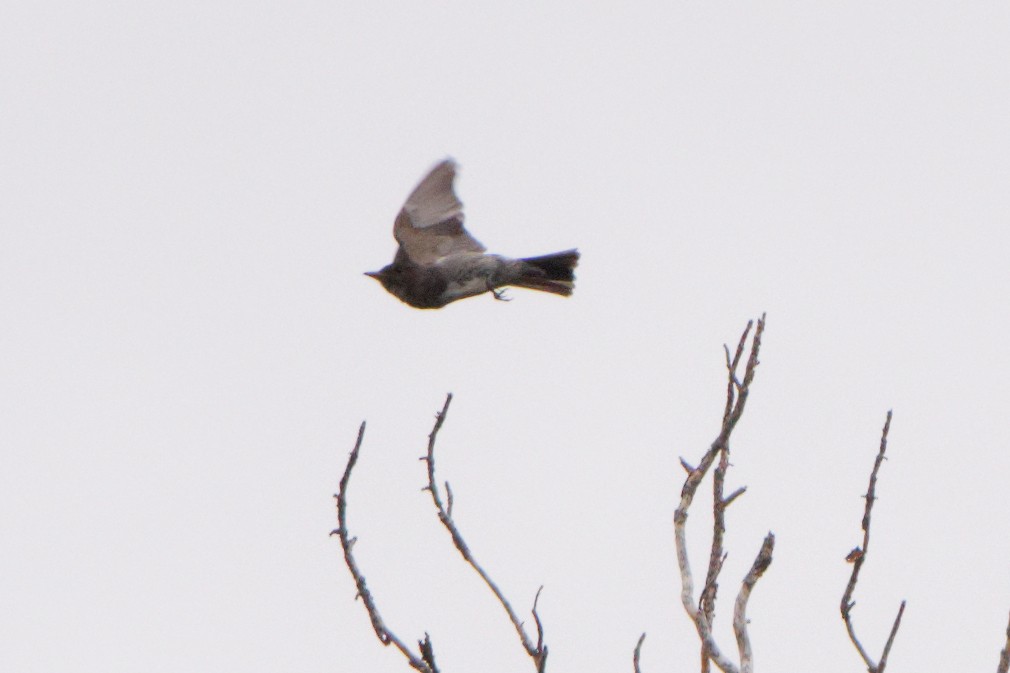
[{"x": 391, "y": 278}]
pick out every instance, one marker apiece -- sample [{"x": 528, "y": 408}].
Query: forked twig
[
  {"x": 702, "y": 612},
  {"x": 538, "y": 651},
  {"x": 858, "y": 556},
  {"x": 426, "y": 661}
]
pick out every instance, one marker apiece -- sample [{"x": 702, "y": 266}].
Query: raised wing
[{"x": 430, "y": 225}]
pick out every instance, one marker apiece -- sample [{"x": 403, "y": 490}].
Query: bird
[{"x": 439, "y": 262}]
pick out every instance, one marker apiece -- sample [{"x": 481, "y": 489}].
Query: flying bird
[{"x": 438, "y": 261}]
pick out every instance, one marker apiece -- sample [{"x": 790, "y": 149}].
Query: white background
[{"x": 191, "y": 191}]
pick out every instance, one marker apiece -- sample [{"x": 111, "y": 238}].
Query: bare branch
[
  {"x": 890, "y": 638},
  {"x": 1004, "y": 655},
  {"x": 638, "y": 653},
  {"x": 702, "y": 613},
  {"x": 731, "y": 365},
  {"x": 734, "y": 495},
  {"x": 537, "y": 652},
  {"x": 536, "y": 619},
  {"x": 427, "y": 653},
  {"x": 707, "y": 590},
  {"x": 761, "y": 563},
  {"x": 716, "y": 555},
  {"x": 426, "y": 662},
  {"x": 858, "y": 556}
]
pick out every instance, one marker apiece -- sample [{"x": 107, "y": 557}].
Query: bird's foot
[{"x": 498, "y": 294}]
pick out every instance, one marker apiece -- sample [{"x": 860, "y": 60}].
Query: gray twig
[
  {"x": 702, "y": 612},
  {"x": 538, "y": 651},
  {"x": 761, "y": 563},
  {"x": 638, "y": 654},
  {"x": 858, "y": 556},
  {"x": 426, "y": 661}
]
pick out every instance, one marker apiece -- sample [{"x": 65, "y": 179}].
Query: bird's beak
[{"x": 373, "y": 274}]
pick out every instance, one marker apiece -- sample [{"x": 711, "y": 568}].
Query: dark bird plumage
[{"x": 438, "y": 261}]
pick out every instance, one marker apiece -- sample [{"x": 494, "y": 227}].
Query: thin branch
[
  {"x": 734, "y": 495},
  {"x": 707, "y": 590},
  {"x": 1004, "y": 655},
  {"x": 858, "y": 556},
  {"x": 717, "y": 557},
  {"x": 537, "y": 652},
  {"x": 737, "y": 392},
  {"x": 536, "y": 620},
  {"x": 890, "y": 638},
  {"x": 761, "y": 563},
  {"x": 426, "y": 662},
  {"x": 427, "y": 653},
  {"x": 638, "y": 654}
]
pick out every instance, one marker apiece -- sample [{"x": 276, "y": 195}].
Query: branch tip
[
  {"x": 536, "y": 652},
  {"x": 383, "y": 634},
  {"x": 702, "y": 612},
  {"x": 636, "y": 655},
  {"x": 1004, "y": 655},
  {"x": 858, "y": 556}
]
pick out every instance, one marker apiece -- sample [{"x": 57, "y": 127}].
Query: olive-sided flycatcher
[{"x": 438, "y": 261}]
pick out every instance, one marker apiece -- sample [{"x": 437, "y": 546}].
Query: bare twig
[
  {"x": 890, "y": 638},
  {"x": 858, "y": 556},
  {"x": 426, "y": 661},
  {"x": 638, "y": 654},
  {"x": 717, "y": 557},
  {"x": 734, "y": 495},
  {"x": 537, "y": 652},
  {"x": 536, "y": 619},
  {"x": 708, "y": 590},
  {"x": 427, "y": 653},
  {"x": 1004, "y": 655},
  {"x": 761, "y": 563},
  {"x": 702, "y": 613}
]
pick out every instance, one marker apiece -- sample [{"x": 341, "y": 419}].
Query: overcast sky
[{"x": 192, "y": 190}]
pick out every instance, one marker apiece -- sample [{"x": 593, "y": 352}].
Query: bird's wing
[{"x": 430, "y": 225}]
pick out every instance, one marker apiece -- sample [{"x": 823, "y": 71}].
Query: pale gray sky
[{"x": 190, "y": 192}]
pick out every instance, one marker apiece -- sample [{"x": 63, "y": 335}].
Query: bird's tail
[{"x": 550, "y": 273}]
